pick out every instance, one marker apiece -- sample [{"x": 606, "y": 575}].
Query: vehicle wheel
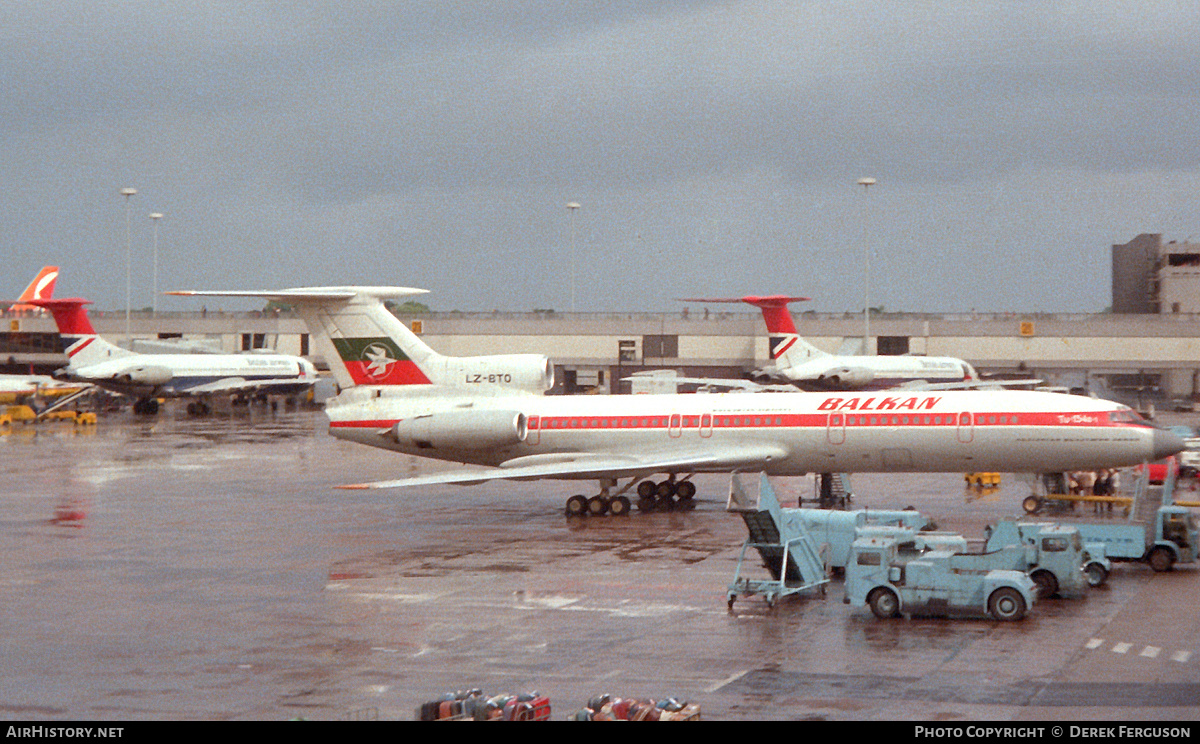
[
  {"x": 1047, "y": 584},
  {"x": 577, "y": 506},
  {"x": 1096, "y": 574},
  {"x": 1031, "y": 504},
  {"x": 1006, "y": 604},
  {"x": 686, "y": 490},
  {"x": 619, "y": 507},
  {"x": 597, "y": 506},
  {"x": 646, "y": 489},
  {"x": 884, "y": 603},
  {"x": 1161, "y": 559}
]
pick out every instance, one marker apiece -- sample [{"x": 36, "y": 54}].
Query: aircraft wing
[
  {"x": 968, "y": 385},
  {"x": 748, "y": 386},
  {"x": 241, "y": 385},
  {"x": 586, "y": 466}
]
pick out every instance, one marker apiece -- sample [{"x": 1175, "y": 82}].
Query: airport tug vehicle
[
  {"x": 893, "y": 577},
  {"x": 1159, "y": 533},
  {"x": 1055, "y": 556}
]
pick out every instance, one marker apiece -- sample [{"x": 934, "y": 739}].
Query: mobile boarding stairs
[{"x": 785, "y": 546}]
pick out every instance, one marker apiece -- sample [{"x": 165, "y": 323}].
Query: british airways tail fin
[
  {"x": 786, "y": 347},
  {"x": 84, "y": 346}
]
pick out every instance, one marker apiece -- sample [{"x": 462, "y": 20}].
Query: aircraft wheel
[
  {"x": 1006, "y": 604},
  {"x": 1096, "y": 574},
  {"x": 1031, "y": 504},
  {"x": 647, "y": 504},
  {"x": 666, "y": 489},
  {"x": 619, "y": 507},
  {"x": 884, "y": 603},
  {"x": 686, "y": 490},
  {"x": 646, "y": 489},
  {"x": 1161, "y": 559},
  {"x": 597, "y": 506},
  {"x": 577, "y": 506}
]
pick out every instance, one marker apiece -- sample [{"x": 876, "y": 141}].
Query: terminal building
[{"x": 1146, "y": 352}]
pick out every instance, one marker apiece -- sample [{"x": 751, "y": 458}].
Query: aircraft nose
[{"x": 1166, "y": 443}]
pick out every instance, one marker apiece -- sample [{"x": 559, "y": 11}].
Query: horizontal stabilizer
[
  {"x": 755, "y": 300},
  {"x": 309, "y": 294}
]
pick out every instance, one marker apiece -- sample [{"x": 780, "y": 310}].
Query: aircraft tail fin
[
  {"x": 41, "y": 288},
  {"x": 360, "y": 339},
  {"x": 84, "y": 345},
  {"x": 786, "y": 347}
]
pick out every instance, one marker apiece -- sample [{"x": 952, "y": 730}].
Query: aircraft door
[
  {"x": 706, "y": 425},
  {"x": 835, "y": 431},
  {"x": 533, "y": 430},
  {"x": 966, "y": 432},
  {"x": 675, "y": 426}
]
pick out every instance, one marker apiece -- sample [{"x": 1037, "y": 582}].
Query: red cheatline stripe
[{"x": 793, "y": 421}]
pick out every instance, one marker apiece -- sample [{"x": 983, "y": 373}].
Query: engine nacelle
[
  {"x": 145, "y": 375},
  {"x": 463, "y": 430},
  {"x": 847, "y": 377},
  {"x": 532, "y": 373}
]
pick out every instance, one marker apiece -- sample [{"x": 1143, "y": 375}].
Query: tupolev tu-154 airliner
[{"x": 490, "y": 414}]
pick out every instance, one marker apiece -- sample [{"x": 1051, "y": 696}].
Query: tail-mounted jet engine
[
  {"x": 532, "y": 373},
  {"x": 145, "y": 375},
  {"x": 846, "y": 377}
]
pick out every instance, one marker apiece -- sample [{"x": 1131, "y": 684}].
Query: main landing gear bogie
[{"x": 663, "y": 496}]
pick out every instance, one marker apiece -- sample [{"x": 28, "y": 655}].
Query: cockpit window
[{"x": 1127, "y": 416}]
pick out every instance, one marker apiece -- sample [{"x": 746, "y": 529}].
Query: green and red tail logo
[{"x": 378, "y": 361}]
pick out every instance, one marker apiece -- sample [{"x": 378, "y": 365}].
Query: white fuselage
[
  {"x": 951, "y": 431},
  {"x": 878, "y": 372},
  {"x": 180, "y": 375}
]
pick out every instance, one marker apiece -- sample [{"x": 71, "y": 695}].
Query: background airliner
[
  {"x": 30, "y": 388},
  {"x": 799, "y": 363},
  {"x": 522, "y": 435},
  {"x": 148, "y": 377}
]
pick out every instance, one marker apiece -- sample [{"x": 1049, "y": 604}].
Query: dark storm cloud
[{"x": 714, "y": 147}]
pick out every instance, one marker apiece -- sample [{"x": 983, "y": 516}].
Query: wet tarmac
[{"x": 177, "y": 568}]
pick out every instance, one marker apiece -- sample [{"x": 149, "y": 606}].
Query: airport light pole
[
  {"x": 572, "y": 208},
  {"x": 155, "y": 216},
  {"x": 128, "y": 192},
  {"x": 866, "y": 183}
]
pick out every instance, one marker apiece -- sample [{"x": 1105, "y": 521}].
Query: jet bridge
[{"x": 781, "y": 540}]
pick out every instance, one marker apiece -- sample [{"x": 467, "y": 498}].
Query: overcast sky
[{"x": 713, "y": 148}]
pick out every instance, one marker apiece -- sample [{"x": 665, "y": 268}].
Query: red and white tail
[
  {"x": 41, "y": 288},
  {"x": 786, "y": 347},
  {"x": 84, "y": 346}
]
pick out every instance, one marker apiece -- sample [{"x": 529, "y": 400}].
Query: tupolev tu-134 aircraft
[{"x": 490, "y": 414}]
